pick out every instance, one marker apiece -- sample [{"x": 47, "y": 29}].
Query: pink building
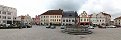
[
  {"x": 84, "y": 19},
  {"x": 37, "y": 19}
]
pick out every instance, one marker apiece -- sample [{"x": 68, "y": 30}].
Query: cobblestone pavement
[{"x": 42, "y": 33}]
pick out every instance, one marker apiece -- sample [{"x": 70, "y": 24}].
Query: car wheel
[
  {"x": 90, "y": 32},
  {"x": 20, "y": 27},
  {"x": 28, "y": 26}
]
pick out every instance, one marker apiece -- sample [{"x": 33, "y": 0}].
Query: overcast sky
[{"x": 36, "y": 7}]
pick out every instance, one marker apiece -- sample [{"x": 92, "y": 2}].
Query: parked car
[
  {"x": 28, "y": 25},
  {"x": 48, "y": 26},
  {"x": 117, "y": 26},
  {"x": 111, "y": 26},
  {"x": 101, "y": 26},
  {"x": 52, "y": 27},
  {"x": 91, "y": 27},
  {"x": 12, "y": 25},
  {"x": 23, "y": 25},
  {"x": 3, "y": 25},
  {"x": 62, "y": 27}
]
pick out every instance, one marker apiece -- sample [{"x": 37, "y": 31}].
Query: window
[
  {"x": 0, "y": 16},
  {"x": 9, "y": 17},
  {"x": 47, "y": 16},
  {"x": 66, "y": 20},
  {"x": 55, "y": 19},
  {"x": 57, "y": 16},
  {"x": 4, "y": 13},
  {"x": 0, "y": 12},
  {"x": 51, "y": 20},
  {"x": 4, "y": 17},
  {"x": 100, "y": 17},
  {"x": 9, "y": 13},
  {"x": 50, "y": 16},
  {"x": 84, "y": 19},
  {"x": 4, "y": 21},
  {"x": 72, "y": 20},
  {"x": 44, "y": 19},
  {"x": 70, "y": 15},
  {"x": 115, "y": 21},
  {"x": 103, "y": 20},
  {"x": 93, "y": 20},
  {"x": 69, "y": 20},
  {"x": 81, "y": 19},
  {"x": 119, "y": 23},
  {"x": 100, "y": 20},
  {"x": 41, "y": 20},
  {"x": 119, "y": 20},
  {"x": 97, "y": 20},
  {"x": 59, "y": 19},
  {"x": 44, "y": 16},
  {"x": 41, "y": 16},
  {"x": 87, "y": 20},
  {"x": 63, "y": 20}
]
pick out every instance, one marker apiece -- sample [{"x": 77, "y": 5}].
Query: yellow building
[{"x": 51, "y": 16}]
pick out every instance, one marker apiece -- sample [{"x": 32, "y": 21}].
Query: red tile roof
[
  {"x": 106, "y": 14},
  {"x": 118, "y": 18},
  {"x": 53, "y": 12}
]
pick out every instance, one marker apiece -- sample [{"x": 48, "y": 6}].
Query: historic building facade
[
  {"x": 51, "y": 17},
  {"x": 93, "y": 19},
  {"x": 117, "y": 21},
  {"x": 69, "y": 18},
  {"x": 84, "y": 19},
  {"x": 103, "y": 18},
  {"x": 37, "y": 19}
]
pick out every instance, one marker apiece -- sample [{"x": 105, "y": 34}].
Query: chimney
[{"x": 61, "y": 9}]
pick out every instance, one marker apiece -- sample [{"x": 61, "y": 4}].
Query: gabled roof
[
  {"x": 106, "y": 14},
  {"x": 53, "y": 12},
  {"x": 69, "y": 14},
  {"x": 118, "y": 18}
]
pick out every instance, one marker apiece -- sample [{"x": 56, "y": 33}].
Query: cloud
[
  {"x": 36, "y": 7},
  {"x": 112, "y": 7},
  {"x": 67, "y": 4}
]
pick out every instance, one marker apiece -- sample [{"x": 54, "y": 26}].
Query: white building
[
  {"x": 7, "y": 14},
  {"x": 93, "y": 19},
  {"x": 117, "y": 21},
  {"x": 103, "y": 18}
]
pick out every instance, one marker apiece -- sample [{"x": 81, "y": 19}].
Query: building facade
[
  {"x": 84, "y": 19},
  {"x": 25, "y": 19},
  {"x": 37, "y": 19},
  {"x": 93, "y": 19},
  {"x": 7, "y": 14},
  {"x": 51, "y": 17},
  {"x": 117, "y": 21},
  {"x": 103, "y": 18},
  {"x": 69, "y": 18}
]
